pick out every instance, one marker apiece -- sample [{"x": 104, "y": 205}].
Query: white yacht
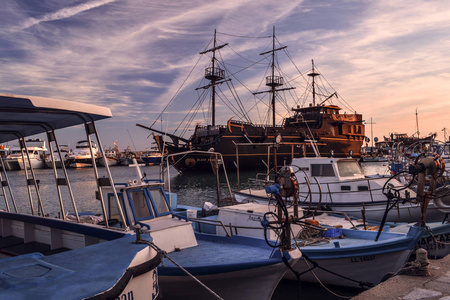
[
  {"x": 65, "y": 152},
  {"x": 81, "y": 155},
  {"x": 36, "y": 153}
]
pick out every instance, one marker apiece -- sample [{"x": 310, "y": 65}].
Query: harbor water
[{"x": 191, "y": 189}]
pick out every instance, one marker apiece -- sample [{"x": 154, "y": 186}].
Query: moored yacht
[
  {"x": 36, "y": 155},
  {"x": 65, "y": 152},
  {"x": 81, "y": 156}
]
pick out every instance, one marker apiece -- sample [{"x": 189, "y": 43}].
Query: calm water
[{"x": 192, "y": 189}]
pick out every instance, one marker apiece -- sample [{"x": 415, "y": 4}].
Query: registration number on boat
[{"x": 365, "y": 258}]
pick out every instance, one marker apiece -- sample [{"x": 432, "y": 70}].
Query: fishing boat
[
  {"x": 372, "y": 154},
  {"x": 126, "y": 158},
  {"x": 36, "y": 155},
  {"x": 338, "y": 184},
  {"x": 112, "y": 156},
  {"x": 332, "y": 254},
  {"x": 337, "y": 256},
  {"x": 231, "y": 267},
  {"x": 243, "y": 143},
  {"x": 52, "y": 258},
  {"x": 83, "y": 155},
  {"x": 152, "y": 157}
]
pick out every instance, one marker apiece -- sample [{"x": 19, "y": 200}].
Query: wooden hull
[{"x": 251, "y": 146}]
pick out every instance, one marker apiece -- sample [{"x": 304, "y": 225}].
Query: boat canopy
[{"x": 22, "y": 116}]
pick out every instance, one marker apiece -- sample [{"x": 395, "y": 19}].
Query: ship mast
[
  {"x": 273, "y": 81},
  {"x": 214, "y": 74},
  {"x": 313, "y": 74}
]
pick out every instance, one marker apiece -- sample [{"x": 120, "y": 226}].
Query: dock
[{"x": 408, "y": 287}]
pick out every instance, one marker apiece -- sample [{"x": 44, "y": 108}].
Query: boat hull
[
  {"x": 373, "y": 211},
  {"x": 79, "y": 163},
  {"x": 233, "y": 267},
  {"x": 259, "y": 283},
  {"x": 359, "y": 266},
  {"x": 111, "y": 161},
  {"x": 247, "y": 146}
]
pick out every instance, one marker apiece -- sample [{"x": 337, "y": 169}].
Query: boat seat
[{"x": 26, "y": 248}]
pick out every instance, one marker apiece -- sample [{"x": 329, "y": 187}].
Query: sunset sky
[{"x": 386, "y": 59}]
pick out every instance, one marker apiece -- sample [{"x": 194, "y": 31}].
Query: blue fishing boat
[
  {"x": 48, "y": 258},
  {"x": 331, "y": 255},
  {"x": 226, "y": 267}
]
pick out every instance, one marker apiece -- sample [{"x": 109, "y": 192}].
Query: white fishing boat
[
  {"x": 36, "y": 155},
  {"x": 338, "y": 184},
  {"x": 49, "y": 258},
  {"x": 112, "y": 156},
  {"x": 126, "y": 157},
  {"x": 83, "y": 156}
]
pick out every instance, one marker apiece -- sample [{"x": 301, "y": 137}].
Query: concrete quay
[{"x": 408, "y": 287}]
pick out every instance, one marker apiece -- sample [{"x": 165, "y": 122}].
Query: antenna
[
  {"x": 371, "y": 129},
  {"x": 132, "y": 140},
  {"x": 417, "y": 124}
]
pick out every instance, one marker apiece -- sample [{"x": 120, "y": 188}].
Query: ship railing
[{"x": 255, "y": 125}]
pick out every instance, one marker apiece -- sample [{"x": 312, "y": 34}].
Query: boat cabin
[
  {"x": 330, "y": 169},
  {"x": 146, "y": 204}
]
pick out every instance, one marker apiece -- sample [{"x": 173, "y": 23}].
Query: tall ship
[{"x": 319, "y": 128}]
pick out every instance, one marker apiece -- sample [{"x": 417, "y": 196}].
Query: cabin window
[
  {"x": 141, "y": 205},
  {"x": 325, "y": 170},
  {"x": 159, "y": 201},
  {"x": 363, "y": 188},
  {"x": 114, "y": 212},
  {"x": 348, "y": 168},
  {"x": 345, "y": 188}
]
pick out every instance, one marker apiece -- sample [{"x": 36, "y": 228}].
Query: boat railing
[
  {"x": 329, "y": 192},
  {"x": 231, "y": 229},
  {"x": 260, "y": 181},
  {"x": 216, "y": 160}
]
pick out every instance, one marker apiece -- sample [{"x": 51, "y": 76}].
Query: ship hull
[{"x": 252, "y": 147}]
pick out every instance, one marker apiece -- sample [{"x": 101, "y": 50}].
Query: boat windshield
[
  {"x": 349, "y": 168},
  {"x": 159, "y": 201},
  {"x": 324, "y": 170}
]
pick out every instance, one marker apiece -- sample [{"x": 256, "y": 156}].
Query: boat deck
[
  {"x": 199, "y": 261},
  {"x": 99, "y": 265}
]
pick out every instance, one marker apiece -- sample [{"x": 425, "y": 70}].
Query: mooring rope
[{"x": 164, "y": 253}]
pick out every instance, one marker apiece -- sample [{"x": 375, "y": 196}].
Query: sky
[{"x": 387, "y": 59}]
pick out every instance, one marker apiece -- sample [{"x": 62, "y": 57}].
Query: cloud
[
  {"x": 134, "y": 56},
  {"x": 62, "y": 14}
]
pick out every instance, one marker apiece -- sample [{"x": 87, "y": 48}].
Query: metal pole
[
  {"x": 69, "y": 187},
  {"x": 34, "y": 180},
  {"x": 30, "y": 197},
  {"x": 89, "y": 130},
  {"x": 108, "y": 171},
  {"x": 3, "y": 191},
  {"x": 50, "y": 138},
  {"x": 9, "y": 186}
]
